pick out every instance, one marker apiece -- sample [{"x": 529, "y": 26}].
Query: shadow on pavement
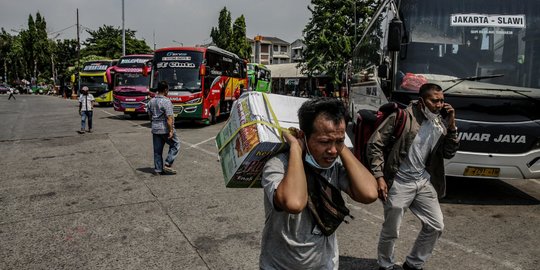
[
  {"x": 351, "y": 263},
  {"x": 484, "y": 192},
  {"x": 148, "y": 170}
]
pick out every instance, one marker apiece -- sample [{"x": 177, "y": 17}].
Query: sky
[{"x": 163, "y": 22}]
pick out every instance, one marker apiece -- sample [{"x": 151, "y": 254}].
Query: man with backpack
[
  {"x": 302, "y": 190},
  {"x": 410, "y": 172}
]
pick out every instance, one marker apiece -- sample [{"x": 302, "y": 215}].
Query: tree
[
  {"x": 329, "y": 35},
  {"x": 231, "y": 38},
  {"x": 239, "y": 43},
  {"x": 107, "y": 42},
  {"x": 221, "y": 35}
]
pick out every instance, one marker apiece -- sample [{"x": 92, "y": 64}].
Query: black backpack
[
  {"x": 367, "y": 122},
  {"x": 325, "y": 202}
]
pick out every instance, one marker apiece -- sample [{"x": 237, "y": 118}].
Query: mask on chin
[
  {"x": 311, "y": 160},
  {"x": 429, "y": 115}
]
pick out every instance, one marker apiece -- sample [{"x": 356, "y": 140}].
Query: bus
[
  {"x": 203, "y": 81},
  {"x": 259, "y": 78},
  {"x": 486, "y": 57},
  {"x": 94, "y": 76},
  {"x": 130, "y": 87}
]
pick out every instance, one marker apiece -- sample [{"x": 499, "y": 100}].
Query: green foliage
[
  {"x": 239, "y": 43},
  {"x": 107, "y": 42},
  {"x": 222, "y": 34},
  {"x": 330, "y": 33},
  {"x": 231, "y": 38}
]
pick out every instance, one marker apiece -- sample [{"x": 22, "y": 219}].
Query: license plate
[
  {"x": 482, "y": 171},
  {"x": 130, "y": 109}
]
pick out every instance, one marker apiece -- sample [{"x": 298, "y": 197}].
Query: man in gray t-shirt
[
  {"x": 291, "y": 239},
  {"x": 160, "y": 111}
]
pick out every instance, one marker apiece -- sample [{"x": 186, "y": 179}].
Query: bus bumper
[{"x": 498, "y": 166}]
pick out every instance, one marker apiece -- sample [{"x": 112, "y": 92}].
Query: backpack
[
  {"x": 325, "y": 202},
  {"x": 368, "y": 121}
]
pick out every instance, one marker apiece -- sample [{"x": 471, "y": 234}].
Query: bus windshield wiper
[
  {"x": 519, "y": 92},
  {"x": 471, "y": 78}
]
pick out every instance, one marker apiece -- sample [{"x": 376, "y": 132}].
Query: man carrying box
[{"x": 298, "y": 232}]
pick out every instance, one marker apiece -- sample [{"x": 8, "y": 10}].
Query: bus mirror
[
  {"x": 394, "y": 35},
  {"x": 145, "y": 70},
  {"x": 382, "y": 71},
  {"x": 202, "y": 70}
]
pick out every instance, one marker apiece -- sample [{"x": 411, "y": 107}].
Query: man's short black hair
[
  {"x": 162, "y": 87},
  {"x": 426, "y": 87},
  {"x": 332, "y": 109}
]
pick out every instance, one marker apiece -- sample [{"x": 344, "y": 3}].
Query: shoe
[
  {"x": 391, "y": 268},
  {"x": 80, "y": 131},
  {"x": 406, "y": 266},
  {"x": 169, "y": 170},
  {"x": 89, "y": 131},
  {"x": 156, "y": 173}
]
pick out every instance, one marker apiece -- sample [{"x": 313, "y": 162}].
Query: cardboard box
[{"x": 252, "y": 135}]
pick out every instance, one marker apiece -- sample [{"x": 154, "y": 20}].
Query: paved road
[{"x": 70, "y": 201}]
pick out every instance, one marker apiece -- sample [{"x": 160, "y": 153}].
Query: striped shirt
[{"x": 159, "y": 108}]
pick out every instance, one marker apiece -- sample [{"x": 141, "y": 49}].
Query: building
[
  {"x": 297, "y": 51},
  {"x": 270, "y": 50}
]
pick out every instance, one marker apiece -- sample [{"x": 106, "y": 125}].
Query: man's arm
[
  {"x": 291, "y": 194},
  {"x": 362, "y": 185},
  {"x": 170, "y": 122}
]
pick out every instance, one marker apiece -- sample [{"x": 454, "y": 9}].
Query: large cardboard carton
[{"x": 253, "y": 134}]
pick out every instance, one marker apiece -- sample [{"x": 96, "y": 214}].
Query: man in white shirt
[{"x": 86, "y": 106}]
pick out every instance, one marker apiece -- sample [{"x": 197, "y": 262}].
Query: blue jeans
[
  {"x": 84, "y": 116},
  {"x": 159, "y": 141}
]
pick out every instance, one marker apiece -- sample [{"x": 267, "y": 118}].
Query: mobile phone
[{"x": 444, "y": 113}]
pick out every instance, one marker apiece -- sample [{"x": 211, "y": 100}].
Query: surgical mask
[
  {"x": 311, "y": 160},
  {"x": 429, "y": 115}
]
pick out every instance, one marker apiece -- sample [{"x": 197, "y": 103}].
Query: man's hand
[
  {"x": 382, "y": 188},
  {"x": 171, "y": 134},
  {"x": 294, "y": 136},
  {"x": 451, "y": 118},
  {"x": 80, "y": 113}
]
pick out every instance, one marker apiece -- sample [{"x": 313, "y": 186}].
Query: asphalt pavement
[{"x": 72, "y": 201}]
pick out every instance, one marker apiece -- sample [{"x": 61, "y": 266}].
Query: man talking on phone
[{"x": 410, "y": 173}]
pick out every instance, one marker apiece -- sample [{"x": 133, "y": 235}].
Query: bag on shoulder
[
  {"x": 325, "y": 202},
  {"x": 367, "y": 122}
]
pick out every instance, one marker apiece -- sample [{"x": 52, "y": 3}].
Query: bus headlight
[{"x": 193, "y": 101}]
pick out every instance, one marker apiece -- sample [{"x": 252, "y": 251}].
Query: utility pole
[
  {"x": 74, "y": 93},
  {"x": 123, "y": 32}
]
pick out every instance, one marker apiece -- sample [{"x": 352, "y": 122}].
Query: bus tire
[{"x": 213, "y": 117}]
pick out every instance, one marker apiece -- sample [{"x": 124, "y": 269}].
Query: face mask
[
  {"x": 429, "y": 115},
  {"x": 311, "y": 160}
]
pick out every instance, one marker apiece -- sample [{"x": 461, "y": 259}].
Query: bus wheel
[{"x": 213, "y": 118}]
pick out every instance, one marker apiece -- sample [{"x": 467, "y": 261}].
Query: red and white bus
[
  {"x": 203, "y": 81},
  {"x": 130, "y": 87}
]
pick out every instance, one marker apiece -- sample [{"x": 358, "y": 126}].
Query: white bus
[{"x": 485, "y": 54}]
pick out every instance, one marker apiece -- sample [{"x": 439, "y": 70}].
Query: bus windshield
[
  {"x": 130, "y": 79},
  {"x": 449, "y": 40},
  {"x": 92, "y": 80},
  {"x": 180, "y": 69}
]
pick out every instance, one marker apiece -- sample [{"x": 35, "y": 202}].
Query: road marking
[
  {"x": 209, "y": 139},
  {"x": 198, "y": 148},
  {"x": 451, "y": 243},
  {"x": 536, "y": 181}
]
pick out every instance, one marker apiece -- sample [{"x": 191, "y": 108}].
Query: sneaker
[
  {"x": 156, "y": 173},
  {"x": 81, "y": 131},
  {"x": 391, "y": 268},
  {"x": 169, "y": 170},
  {"x": 406, "y": 266},
  {"x": 89, "y": 131}
]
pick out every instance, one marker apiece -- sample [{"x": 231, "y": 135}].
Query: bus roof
[{"x": 199, "y": 49}]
